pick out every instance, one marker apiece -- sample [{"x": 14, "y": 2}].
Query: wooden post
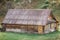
[
  {"x": 43, "y": 28},
  {"x": 3, "y": 28},
  {"x": 50, "y": 26},
  {"x": 56, "y": 28},
  {"x": 40, "y": 29}
]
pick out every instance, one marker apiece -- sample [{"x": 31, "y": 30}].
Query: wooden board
[
  {"x": 40, "y": 29},
  {"x": 47, "y": 28},
  {"x": 53, "y": 26},
  {"x": 31, "y": 28},
  {"x": 56, "y": 26}
]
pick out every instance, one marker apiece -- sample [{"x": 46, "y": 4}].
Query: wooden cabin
[{"x": 30, "y": 21}]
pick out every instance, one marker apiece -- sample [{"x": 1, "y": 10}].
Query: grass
[{"x": 25, "y": 36}]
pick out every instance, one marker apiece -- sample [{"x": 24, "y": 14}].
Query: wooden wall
[
  {"x": 31, "y": 28},
  {"x": 40, "y": 29},
  {"x": 47, "y": 28},
  {"x": 34, "y": 28},
  {"x": 50, "y": 28}
]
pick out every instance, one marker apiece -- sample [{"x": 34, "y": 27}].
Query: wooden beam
[
  {"x": 56, "y": 28},
  {"x": 43, "y": 28}
]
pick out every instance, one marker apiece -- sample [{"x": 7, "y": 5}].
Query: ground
[{"x": 25, "y": 36}]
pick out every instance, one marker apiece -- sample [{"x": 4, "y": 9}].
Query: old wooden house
[{"x": 30, "y": 20}]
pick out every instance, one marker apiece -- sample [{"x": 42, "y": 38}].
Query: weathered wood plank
[{"x": 40, "y": 29}]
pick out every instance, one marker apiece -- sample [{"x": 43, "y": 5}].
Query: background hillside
[{"x": 30, "y": 4}]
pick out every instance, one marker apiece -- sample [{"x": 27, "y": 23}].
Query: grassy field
[{"x": 24, "y": 36}]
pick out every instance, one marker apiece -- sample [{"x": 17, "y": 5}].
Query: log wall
[{"x": 31, "y": 28}]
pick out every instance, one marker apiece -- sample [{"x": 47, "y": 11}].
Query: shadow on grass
[{"x": 31, "y": 34}]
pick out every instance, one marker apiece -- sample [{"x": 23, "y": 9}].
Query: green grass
[{"x": 25, "y": 36}]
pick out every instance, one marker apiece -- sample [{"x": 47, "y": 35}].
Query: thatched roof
[{"x": 27, "y": 16}]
